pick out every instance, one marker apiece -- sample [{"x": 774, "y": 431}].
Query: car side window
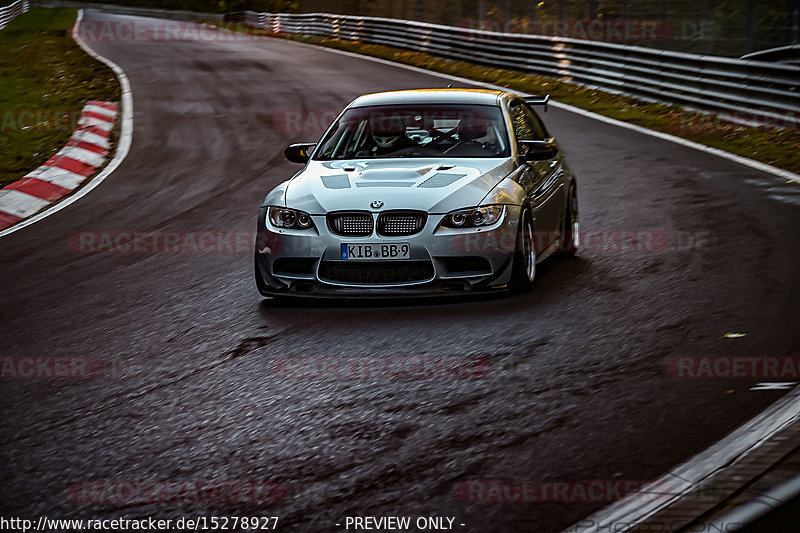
[{"x": 527, "y": 125}]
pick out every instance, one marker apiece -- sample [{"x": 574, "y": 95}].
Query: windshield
[{"x": 416, "y": 131}]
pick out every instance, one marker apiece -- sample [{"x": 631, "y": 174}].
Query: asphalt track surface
[{"x": 577, "y": 386}]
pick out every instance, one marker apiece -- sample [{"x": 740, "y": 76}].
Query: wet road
[{"x": 576, "y": 388}]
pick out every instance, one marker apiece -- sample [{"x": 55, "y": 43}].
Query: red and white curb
[{"x": 83, "y": 154}]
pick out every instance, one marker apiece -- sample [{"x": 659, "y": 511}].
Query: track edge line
[
  {"x": 123, "y": 145},
  {"x": 692, "y": 473}
]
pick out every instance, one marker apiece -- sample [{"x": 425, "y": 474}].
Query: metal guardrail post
[{"x": 9, "y": 12}]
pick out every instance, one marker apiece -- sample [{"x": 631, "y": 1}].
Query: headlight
[
  {"x": 474, "y": 217},
  {"x": 283, "y": 217}
]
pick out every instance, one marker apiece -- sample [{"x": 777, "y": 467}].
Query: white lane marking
[
  {"x": 104, "y": 125},
  {"x": 693, "y": 474},
  {"x": 774, "y": 385},
  {"x": 92, "y": 138},
  {"x": 123, "y": 146},
  {"x": 82, "y": 155},
  {"x": 752, "y": 163},
  {"x": 57, "y": 176},
  {"x": 20, "y": 204},
  {"x": 101, "y": 111}
]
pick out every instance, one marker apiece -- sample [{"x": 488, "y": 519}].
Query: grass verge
[
  {"x": 45, "y": 80},
  {"x": 778, "y": 147}
]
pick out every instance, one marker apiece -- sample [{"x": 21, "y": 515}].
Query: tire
[
  {"x": 570, "y": 231},
  {"x": 523, "y": 270}
]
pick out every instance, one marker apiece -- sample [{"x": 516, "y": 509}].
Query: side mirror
[
  {"x": 299, "y": 153},
  {"x": 538, "y": 150}
]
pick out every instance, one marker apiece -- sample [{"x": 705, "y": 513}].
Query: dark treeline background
[{"x": 722, "y": 27}]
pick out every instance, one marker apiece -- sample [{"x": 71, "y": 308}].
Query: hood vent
[
  {"x": 441, "y": 179},
  {"x": 339, "y": 181},
  {"x": 384, "y": 184}
]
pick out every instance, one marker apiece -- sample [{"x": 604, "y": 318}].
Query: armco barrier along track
[
  {"x": 10, "y": 11},
  {"x": 748, "y": 91}
]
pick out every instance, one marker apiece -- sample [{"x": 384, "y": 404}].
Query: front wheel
[
  {"x": 524, "y": 268},
  {"x": 570, "y": 231}
]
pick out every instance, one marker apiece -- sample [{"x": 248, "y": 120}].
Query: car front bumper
[{"x": 308, "y": 263}]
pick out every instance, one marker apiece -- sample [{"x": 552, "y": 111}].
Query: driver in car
[
  {"x": 389, "y": 138},
  {"x": 470, "y": 130}
]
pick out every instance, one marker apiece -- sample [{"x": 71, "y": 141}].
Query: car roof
[{"x": 431, "y": 96}]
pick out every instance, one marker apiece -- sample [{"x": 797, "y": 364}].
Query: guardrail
[
  {"x": 741, "y": 90},
  {"x": 781, "y": 54},
  {"x": 10, "y": 11}
]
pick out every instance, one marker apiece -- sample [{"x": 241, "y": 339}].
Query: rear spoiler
[{"x": 538, "y": 100}]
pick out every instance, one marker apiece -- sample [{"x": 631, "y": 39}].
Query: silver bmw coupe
[{"x": 420, "y": 192}]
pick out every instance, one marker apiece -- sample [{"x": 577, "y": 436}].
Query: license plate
[{"x": 397, "y": 250}]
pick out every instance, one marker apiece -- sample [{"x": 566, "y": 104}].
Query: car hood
[{"x": 433, "y": 185}]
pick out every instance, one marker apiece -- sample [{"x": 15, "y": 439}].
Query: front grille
[
  {"x": 355, "y": 223},
  {"x": 376, "y": 271},
  {"x": 401, "y": 223}
]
